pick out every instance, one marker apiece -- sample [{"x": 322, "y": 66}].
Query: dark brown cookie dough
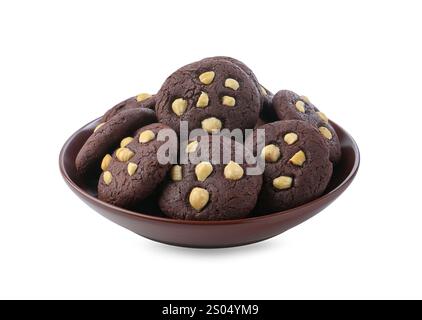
[
  {"x": 209, "y": 94},
  {"x": 260, "y": 122},
  {"x": 133, "y": 172},
  {"x": 297, "y": 165},
  {"x": 263, "y": 92},
  {"x": 143, "y": 100},
  {"x": 209, "y": 190},
  {"x": 108, "y": 134},
  {"x": 290, "y": 106}
]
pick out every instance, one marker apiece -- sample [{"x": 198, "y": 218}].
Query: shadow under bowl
[{"x": 149, "y": 222}]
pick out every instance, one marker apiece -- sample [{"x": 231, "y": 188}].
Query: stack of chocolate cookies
[{"x": 146, "y": 145}]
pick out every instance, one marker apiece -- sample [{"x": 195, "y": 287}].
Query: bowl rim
[{"x": 145, "y": 216}]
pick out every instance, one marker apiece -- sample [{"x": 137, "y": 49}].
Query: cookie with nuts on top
[
  {"x": 290, "y": 106},
  {"x": 210, "y": 94},
  {"x": 267, "y": 113},
  {"x": 210, "y": 188},
  {"x": 265, "y": 94},
  {"x": 108, "y": 134},
  {"x": 142, "y": 100},
  {"x": 134, "y": 171},
  {"x": 297, "y": 165}
]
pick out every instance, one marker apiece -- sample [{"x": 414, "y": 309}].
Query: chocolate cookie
[
  {"x": 209, "y": 94},
  {"x": 108, "y": 134},
  {"x": 290, "y": 106},
  {"x": 297, "y": 165},
  {"x": 133, "y": 172},
  {"x": 263, "y": 92},
  {"x": 142, "y": 100},
  {"x": 211, "y": 189}
]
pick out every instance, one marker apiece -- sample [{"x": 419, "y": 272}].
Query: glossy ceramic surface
[{"x": 150, "y": 223}]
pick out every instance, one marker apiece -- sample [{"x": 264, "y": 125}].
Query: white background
[{"x": 63, "y": 64}]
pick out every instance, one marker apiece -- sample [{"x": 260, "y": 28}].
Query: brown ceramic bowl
[{"x": 150, "y": 223}]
